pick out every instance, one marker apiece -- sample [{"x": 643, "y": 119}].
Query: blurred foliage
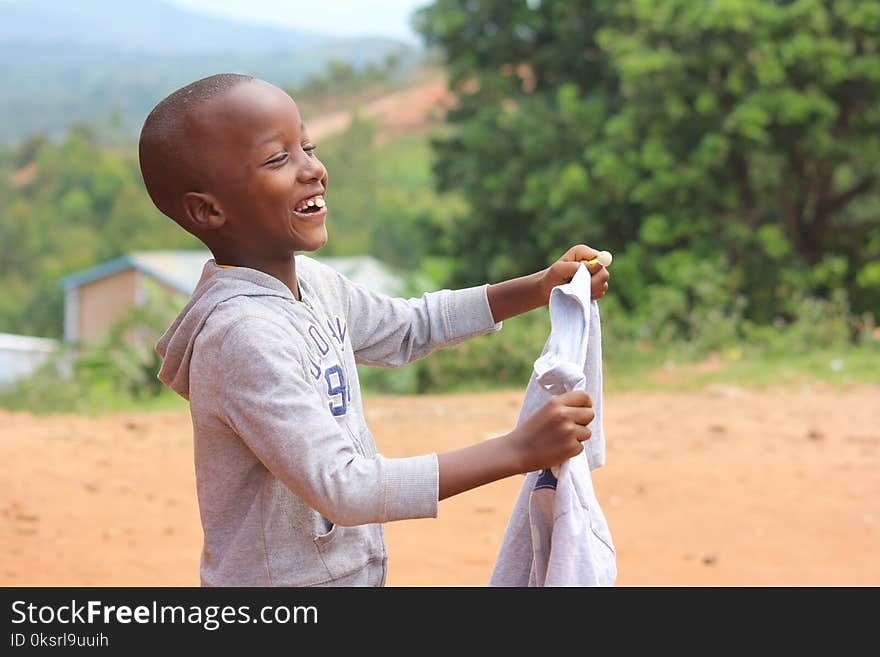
[
  {"x": 815, "y": 345},
  {"x": 67, "y": 206},
  {"x": 382, "y": 202},
  {"x": 728, "y": 153},
  {"x": 502, "y": 359}
]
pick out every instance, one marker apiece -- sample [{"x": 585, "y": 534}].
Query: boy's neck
[{"x": 283, "y": 270}]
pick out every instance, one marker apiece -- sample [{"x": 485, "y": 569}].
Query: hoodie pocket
[
  {"x": 326, "y": 549},
  {"x": 347, "y": 550},
  {"x": 323, "y": 540}
]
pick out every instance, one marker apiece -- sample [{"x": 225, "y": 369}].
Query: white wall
[{"x": 21, "y": 355}]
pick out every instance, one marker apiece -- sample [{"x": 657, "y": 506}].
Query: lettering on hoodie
[{"x": 333, "y": 375}]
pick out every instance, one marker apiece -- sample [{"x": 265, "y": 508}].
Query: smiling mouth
[{"x": 312, "y": 205}]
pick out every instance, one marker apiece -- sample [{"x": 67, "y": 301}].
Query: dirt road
[{"x": 722, "y": 487}]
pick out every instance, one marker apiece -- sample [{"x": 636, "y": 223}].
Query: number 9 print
[{"x": 340, "y": 406}]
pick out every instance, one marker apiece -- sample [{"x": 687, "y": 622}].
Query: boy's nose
[{"x": 313, "y": 170}]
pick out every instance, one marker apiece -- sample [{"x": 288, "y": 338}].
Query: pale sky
[{"x": 337, "y": 17}]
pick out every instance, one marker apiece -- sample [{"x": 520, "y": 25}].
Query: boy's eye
[
  {"x": 309, "y": 148},
  {"x": 278, "y": 160}
]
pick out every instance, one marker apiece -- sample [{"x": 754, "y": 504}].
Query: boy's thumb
[{"x": 568, "y": 269}]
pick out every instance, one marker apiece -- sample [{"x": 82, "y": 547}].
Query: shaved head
[
  {"x": 169, "y": 141},
  {"x": 229, "y": 159}
]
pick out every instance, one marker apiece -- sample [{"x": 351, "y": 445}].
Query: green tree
[
  {"x": 68, "y": 205},
  {"x": 742, "y": 136}
]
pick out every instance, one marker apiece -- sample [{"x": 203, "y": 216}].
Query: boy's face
[{"x": 262, "y": 169}]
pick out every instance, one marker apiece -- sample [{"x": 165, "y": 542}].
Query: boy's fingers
[
  {"x": 604, "y": 259},
  {"x": 582, "y": 415},
  {"x": 593, "y": 259},
  {"x": 580, "y": 252},
  {"x": 576, "y": 398},
  {"x": 593, "y": 266},
  {"x": 568, "y": 269}
]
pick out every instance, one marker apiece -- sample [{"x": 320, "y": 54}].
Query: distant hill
[
  {"x": 147, "y": 26},
  {"x": 103, "y": 60},
  {"x": 412, "y": 108}
]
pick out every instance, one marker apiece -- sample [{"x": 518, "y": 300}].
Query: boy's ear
[{"x": 203, "y": 211}]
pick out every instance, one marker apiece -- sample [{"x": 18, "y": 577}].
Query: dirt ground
[{"x": 723, "y": 487}]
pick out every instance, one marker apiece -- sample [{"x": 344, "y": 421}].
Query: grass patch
[
  {"x": 836, "y": 367},
  {"x": 656, "y": 372},
  {"x": 65, "y": 396}
]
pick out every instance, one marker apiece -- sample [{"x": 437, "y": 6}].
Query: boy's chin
[{"x": 313, "y": 241}]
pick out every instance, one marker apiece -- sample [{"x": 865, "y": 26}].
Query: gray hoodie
[{"x": 291, "y": 489}]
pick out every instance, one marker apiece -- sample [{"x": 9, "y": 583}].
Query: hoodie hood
[{"x": 216, "y": 285}]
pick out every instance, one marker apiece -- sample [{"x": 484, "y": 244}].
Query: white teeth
[{"x": 310, "y": 203}]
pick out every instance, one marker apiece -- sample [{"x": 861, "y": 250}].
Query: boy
[{"x": 291, "y": 490}]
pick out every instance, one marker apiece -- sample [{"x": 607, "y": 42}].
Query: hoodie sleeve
[
  {"x": 268, "y": 401},
  {"x": 392, "y": 332}
]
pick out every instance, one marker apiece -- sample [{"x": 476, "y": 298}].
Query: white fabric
[{"x": 557, "y": 534}]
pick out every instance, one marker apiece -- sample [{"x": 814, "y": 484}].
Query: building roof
[{"x": 181, "y": 270}]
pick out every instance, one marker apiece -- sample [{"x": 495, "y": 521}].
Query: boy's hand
[
  {"x": 564, "y": 269},
  {"x": 554, "y": 433},
  {"x": 520, "y": 295},
  {"x": 550, "y": 436}
]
